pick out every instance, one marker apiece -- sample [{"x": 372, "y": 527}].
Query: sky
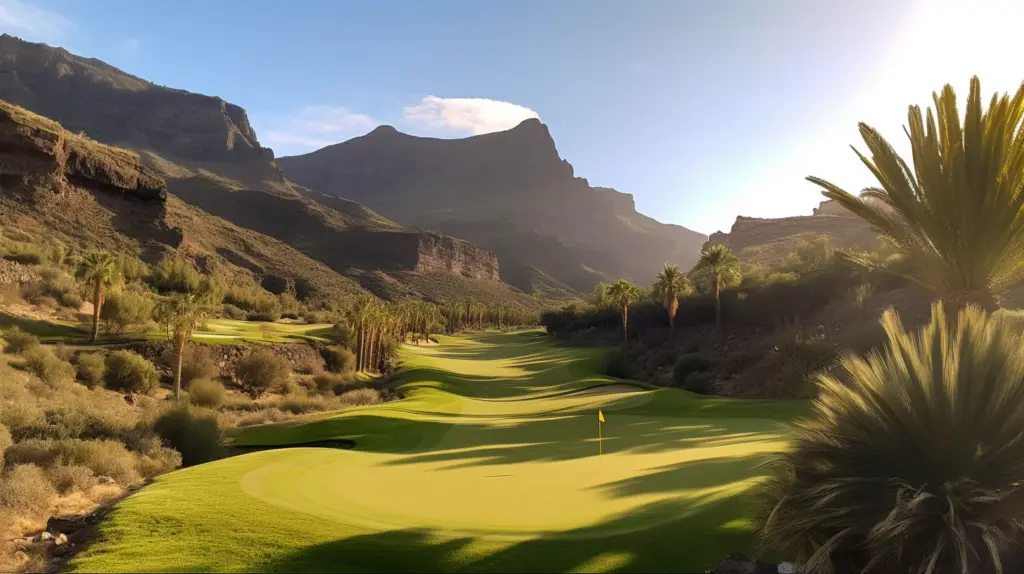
[{"x": 703, "y": 110}]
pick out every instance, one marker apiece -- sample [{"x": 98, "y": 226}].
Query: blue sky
[{"x": 703, "y": 110}]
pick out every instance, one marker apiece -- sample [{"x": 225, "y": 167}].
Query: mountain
[
  {"x": 216, "y": 169},
  {"x": 509, "y": 192},
  {"x": 769, "y": 241}
]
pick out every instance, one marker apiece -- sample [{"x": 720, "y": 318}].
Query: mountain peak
[{"x": 383, "y": 130}]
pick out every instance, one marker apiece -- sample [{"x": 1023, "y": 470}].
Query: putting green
[{"x": 490, "y": 463}]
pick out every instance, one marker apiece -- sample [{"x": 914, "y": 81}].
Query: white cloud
[
  {"x": 130, "y": 46},
  {"x": 31, "y": 22},
  {"x": 469, "y": 115},
  {"x": 313, "y": 127}
]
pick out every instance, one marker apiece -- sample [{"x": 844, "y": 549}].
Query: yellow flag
[{"x": 600, "y": 415}]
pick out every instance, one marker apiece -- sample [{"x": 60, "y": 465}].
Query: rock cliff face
[
  {"x": 509, "y": 192},
  {"x": 769, "y": 241},
  {"x": 442, "y": 253}
]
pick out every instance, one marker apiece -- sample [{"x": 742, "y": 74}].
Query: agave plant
[
  {"x": 916, "y": 463},
  {"x": 958, "y": 215}
]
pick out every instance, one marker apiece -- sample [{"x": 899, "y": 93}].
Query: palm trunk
[
  {"x": 97, "y": 303},
  {"x": 179, "y": 342},
  {"x": 625, "y": 323},
  {"x": 673, "y": 306},
  {"x": 718, "y": 305}
]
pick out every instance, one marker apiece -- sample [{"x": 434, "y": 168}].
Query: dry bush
[
  {"x": 103, "y": 457},
  {"x": 193, "y": 432},
  {"x": 206, "y": 393},
  {"x": 197, "y": 362},
  {"x": 17, "y": 341},
  {"x": 126, "y": 311},
  {"x": 131, "y": 372},
  {"x": 336, "y": 383},
  {"x": 360, "y": 397},
  {"x": 41, "y": 362},
  {"x": 261, "y": 370},
  {"x": 71, "y": 478},
  {"x": 91, "y": 369},
  {"x": 5, "y": 441},
  {"x": 26, "y": 488},
  {"x": 339, "y": 359}
]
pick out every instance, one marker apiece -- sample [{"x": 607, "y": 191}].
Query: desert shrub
[
  {"x": 124, "y": 311},
  {"x": 261, "y": 370},
  {"x": 206, "y": 393},
  {"x": 197, "y": 362},
  {"x": 336, "y": 383},
  {"x": 133, "y": 269},
  {"x": 800, "y": 356},
  {"x": 17, "y": 341},
  {"x": 131, "y": 372},
  {"x": 103, "y": 457},
  {"x": 233, "y": 312},
  {"x": 192, "y": 432},
  {"x": 25, "y": 487},
  {"x": 62, "y": 352},
  {"x": 740, "y": 361},
  {"x": 359, "y": 397},
  {"x": 91, "y": 369},
  {"x": 53, "y": 285},
  {"x": 175, "y": 274},
  {"x": 73, "y": 478},
  {"x": 26, "y": 255},
  {"x": 904, "y": 464},
  {"x": 5, "y": 441},
  {"x": 617, "y": 364},
  {"x": 41, "y": 362},
  {"x": 343, "y": 335},
  {"x": 339, "y": 359},
  {"x": 698, "y": 382},
  {"x": 689, "y": 363},
  {"x": 288, "y": 387}
]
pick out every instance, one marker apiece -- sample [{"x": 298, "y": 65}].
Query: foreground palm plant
[
  {"x": 957, "y": 216},
  {"x": 719, "y": 268},
  {"x": 670, "y": 285},
  {"x": 99, "y": 270},
  {"x": 916, "y": 463}
]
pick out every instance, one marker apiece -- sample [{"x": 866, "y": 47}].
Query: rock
[
  {"x": 56, "y": 560},
  {"x": 14, "y": 272},
  {"x": 740, "y": 564},
  {"x": 65, "y": 523},
  {"x": 79, "y": 536},
  {"x": 44, "y": 537},
  {"x": 787, "y": 568},
  {"x": 62, "y": 550}
]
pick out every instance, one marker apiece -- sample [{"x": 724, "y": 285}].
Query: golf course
[{"x": 492, "y": 462}]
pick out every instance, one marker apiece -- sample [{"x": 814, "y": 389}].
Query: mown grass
[{"x": 490, "y": 464}]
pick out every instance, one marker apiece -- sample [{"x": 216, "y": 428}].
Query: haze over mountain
[{"x": 507, "y": 191}]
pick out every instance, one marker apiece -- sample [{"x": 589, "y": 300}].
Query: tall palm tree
[
  {"x": 720, "y": 268},
  {"x": 181, "y": 314},
  {"x": 98, "y": 269},
  {"x": 958, "y": 216},
  {"x": 670, "y": 285},
  {"x": 622, "y": 294}
]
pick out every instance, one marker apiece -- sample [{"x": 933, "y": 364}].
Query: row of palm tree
[{"x": 469, "y": 314}]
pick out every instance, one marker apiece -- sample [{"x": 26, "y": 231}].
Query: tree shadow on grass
[
  {"x": 44, "y": 329},
  {"x": 665, "y": 537}
]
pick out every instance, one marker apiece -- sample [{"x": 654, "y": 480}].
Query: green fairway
[{"x": 490, "y": 464}]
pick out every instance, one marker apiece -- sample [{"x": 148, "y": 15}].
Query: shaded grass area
[{"x": 489, "y": 464}]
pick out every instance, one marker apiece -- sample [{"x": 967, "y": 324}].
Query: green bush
[
  {"x": 336, "y": 383},
  {"x": 698, "y": 382},
  {"x": 54, "y": 284},
  {"x": 206, "y": 393},
  {"x": 910, "y": 458},
  {"x": 175, "y": 274},
  {"x": 91, "y": 369},
  {"x": 192, "y": 432},
  {"x": 130, "y": 372},
  {"x": 197, "y": 362},
  {"x": 689, "y": 363},
  {"x": 800, "y": 356},
  {"x": 233, "y": 312},
  {"x": 261, "y": 370},
  {"x": 339, "y": 359},
  {"x": 41, "y": 362},
  {"x": 343, "y": 335},
  {"x": 18, "y": 341},
  {"x": 124, "y": 311}
]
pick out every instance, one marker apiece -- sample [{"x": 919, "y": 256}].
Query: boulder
[{"x": 66, "y": 523}]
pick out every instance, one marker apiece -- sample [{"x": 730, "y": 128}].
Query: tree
[
  {"x": 599, "y": 295},
  {"x": 670, "y": 285},
  {"x": 622, "y": 294},
  {"x": 98, "y": 269},
  {"x": 720, "y": 268},
  {"x": 956, "y": 216},
  {"x": 181, "y": 314},
  {"x": 911, "y": 460}
]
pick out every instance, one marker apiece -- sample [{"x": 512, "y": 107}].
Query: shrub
[
  {"x": 73, "y": 478},
  {"x": 904, "y": 464},
  {"x": 740, "y": 361},
  {"x": 232, "y": 312},
  {"x": 18, "y": 341},
  {"x": 336, "y": 383},
  {"x": 698, "y": 382},
  {"x": 175, "y": 274},
  {"x": 343, "y": 335},
  {"x": 339, "y": 359},
  {"x": 197, "y": 362},
  {"x": 91, "y": 369},
  {"x": 26, "y": 488},
  {"x": 689, "y": 363},
  {"x": 41, "y": 362},
  {"x": 206, "y": 393},
  {"x": 617, "y": 364},
  {"x": 123, "y": 311},
  {"x": 5, "y": 441},
  {"x": 800, "y": 356},
  {"x": 130, "y": 372},
  {"x": 192, "y": 432},
  {"x": 261, "y": 370},
  {"x": 360, "y": 397},
  {"x": 54, "y": 285}
]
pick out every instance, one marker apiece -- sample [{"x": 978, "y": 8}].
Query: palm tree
[
  {"x": 911, "y": 460},
  {"x": 670, "y": 285},
  {"x": 720, "y": 268},
  {"x": 181, "y": 314},
  {"x": 100, "y": 270},
  {"x": 599, "y": 295},
  {"x": 957, "y": 216},
  {"x": 622, "y": 294}
]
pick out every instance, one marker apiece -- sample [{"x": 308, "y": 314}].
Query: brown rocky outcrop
[{"x": 302, "y": 357}]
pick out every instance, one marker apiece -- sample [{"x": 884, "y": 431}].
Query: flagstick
[{"x": 600, "y": 447}]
